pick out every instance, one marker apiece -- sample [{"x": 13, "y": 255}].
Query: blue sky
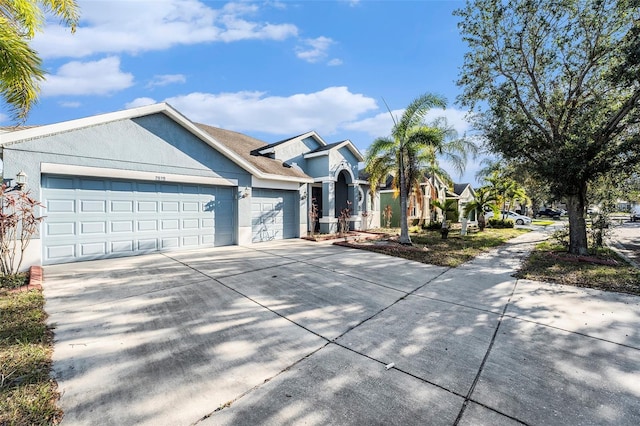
[{"x": 269, "y": 69}]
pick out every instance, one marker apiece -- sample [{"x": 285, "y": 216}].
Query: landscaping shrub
[
  {"x": 432, "y": 226},
  {"x": 500, "y": 223},
  {"x": 561, "y": 236}
]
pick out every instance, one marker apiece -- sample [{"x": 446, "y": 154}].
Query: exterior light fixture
[{"x": 21, "y": 179}]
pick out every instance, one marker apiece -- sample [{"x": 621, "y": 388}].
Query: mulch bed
[{"x": 586, "y": 259}]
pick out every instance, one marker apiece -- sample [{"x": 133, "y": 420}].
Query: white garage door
[
  {"x": 274, "y": 215},
  {"x": 94, "y": 218}
]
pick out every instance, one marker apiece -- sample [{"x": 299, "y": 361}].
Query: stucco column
[
  {"x": 328, "y": 221},
  {"x": 354, "y": 195},
  {"x": 244, "y": 195}
]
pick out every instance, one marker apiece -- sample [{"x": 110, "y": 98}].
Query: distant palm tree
[
  {"x": 400, "y": 154},
  {"x": 449, "y": 147},
  {"x": 20, "y": 67},
  {"x": 449, "y": 205},
  {"x": 485, "y": 199}
]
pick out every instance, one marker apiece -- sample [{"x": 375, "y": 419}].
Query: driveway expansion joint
[{"x": 485, "y": 358}]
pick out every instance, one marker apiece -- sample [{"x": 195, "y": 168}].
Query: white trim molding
[
  {"x": 68, "y": 169},
  {"x": 274, "y": 184}
]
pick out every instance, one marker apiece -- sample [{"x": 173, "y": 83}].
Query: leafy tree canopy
[
  {"x": 20, "y": 66},
  {"x": 555, "y": 84}
]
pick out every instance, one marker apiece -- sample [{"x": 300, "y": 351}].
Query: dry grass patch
[
  {"x": 604, "y": 270},
  {"x": 429, "y": 247}
]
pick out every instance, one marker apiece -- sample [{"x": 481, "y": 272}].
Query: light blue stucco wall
[
  {"x": 153, "y": 143},
  {"x": 317, "y": 166},
  {"x": 293, "y": 152}
]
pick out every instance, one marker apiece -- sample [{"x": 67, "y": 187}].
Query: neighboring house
[
  {"x": 465, "y": 194},
  {"x": 149, "y": 179},
  {"x": 433, "y": 188}
]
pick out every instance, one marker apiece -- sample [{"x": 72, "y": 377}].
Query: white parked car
[{"x": 518, "y": 219}]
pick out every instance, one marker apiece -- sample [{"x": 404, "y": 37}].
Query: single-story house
[{"x": 149, "y": 179}]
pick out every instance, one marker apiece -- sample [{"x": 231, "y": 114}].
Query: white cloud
[
  {"x": 381, "y": 124},
  {"x": 314, "y": 49},
  {"x": 100, "y": 77},
  {"x": 140, "y": 102},
  {"x": 70, "y": 104},
  {"x": 166, "y": 79},
  {"x": 3, "y": 117},
  {"x": 334, "y": 62},
  {"x": 455, "y": 118},
  {"x": 325, "y": 111},
  {"x": 137, "y": 26}
]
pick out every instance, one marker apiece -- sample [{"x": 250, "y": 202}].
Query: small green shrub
[
  {"x": 13, "y": 280},
  {"x": 432, "y": 226},
  {"x": 414, "y": 222},
  {"x": 500, "y": 223},
  {"x": 561, "y": 236}
]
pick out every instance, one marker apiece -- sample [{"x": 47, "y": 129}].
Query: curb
[
  {"x": 36, "y": 278},
  {"x": 619, "y": 249}
]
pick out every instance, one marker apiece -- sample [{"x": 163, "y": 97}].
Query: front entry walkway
[{"x": 296, "y": 332}]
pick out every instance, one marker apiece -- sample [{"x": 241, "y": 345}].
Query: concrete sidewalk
[{"x": 306, "y": 333}]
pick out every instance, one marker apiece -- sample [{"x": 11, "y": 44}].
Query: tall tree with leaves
[
  {"x": 556, "y": 86},
  {"x": 400, "y": 154},
  {"x": 20, "y": 66}
]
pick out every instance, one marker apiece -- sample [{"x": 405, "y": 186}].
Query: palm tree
[
  {"x": 449, "y": 205},
  {"x": 485, "y": 199},
  {"x": 450, "y": 148},
  {"x": 399, "y": 154},
  {"x": 20, "y": 66}
]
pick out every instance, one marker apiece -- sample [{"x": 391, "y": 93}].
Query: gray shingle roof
[
  {"x": 243, "y": 145},
  {"x": 326, "y": 147},
  {"x": 459, "y": 188}
]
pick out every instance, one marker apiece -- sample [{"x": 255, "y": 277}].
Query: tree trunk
[
  {"x": 577, "y": 225},
  {"x": 404, "y": 228}
]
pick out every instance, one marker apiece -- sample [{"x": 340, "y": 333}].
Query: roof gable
[{"x": 230, "y": 148}]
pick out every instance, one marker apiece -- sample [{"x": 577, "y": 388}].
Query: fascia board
[
  {"x": 316, "y": 154},
  {"x": 297, "y": 138},
  {"x": 66, "y": 126}
]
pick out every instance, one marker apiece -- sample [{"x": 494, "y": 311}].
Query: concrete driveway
[{"x": 309, "y": 333}]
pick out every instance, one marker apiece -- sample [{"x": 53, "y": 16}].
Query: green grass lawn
[
  {"x": 28, "y": 395},
  {"x": 544, "y": 222}
]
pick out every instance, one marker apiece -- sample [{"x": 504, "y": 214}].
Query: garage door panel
[
  {"x": 92, "y": 184},
  {"x": 93, "y": 227},
  {"x": 147, "y": 207},
  {"x": 89, "y": 218},
  {"x": 122, "y": 226},
  {"x": 274, "y": 215},
  {"x": 60, "y": 206},
  {"x": 148, "y": 244},
  {"x": 121, "y": 206},
  {"x": 92, "y": 206},
  {"x": 60, "y": 229},
  {"x": 121, "y": 247},
  {"x": 60, "y": 252},
  {"x": 93, "y": 249},
  {"x": 147, "y": 225}
]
